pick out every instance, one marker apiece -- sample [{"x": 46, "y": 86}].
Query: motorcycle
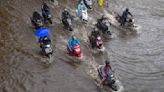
[
  {"x": 76, "y": 52},
  {"x": 96, "y": 42},
  {"x": 84, "y": 15},
  {"x": 47, "y": 17},
  {"x": 88, "y": 3},
  {"x": 104, "y": 27},
  {"x": 47, "y": 49},
  {"x": 129, "y": 24},
  {"x": 68, "y": 23},
  {"x": 111, "y": 83}
]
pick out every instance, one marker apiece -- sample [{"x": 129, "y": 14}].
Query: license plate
[{"x": 48, "y": 50}]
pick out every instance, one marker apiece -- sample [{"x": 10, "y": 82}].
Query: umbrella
[{"x": 41, "y": 32}]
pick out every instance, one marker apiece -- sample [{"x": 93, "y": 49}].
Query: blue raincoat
[
  {"x": 41, "y": 32},
  {"x": 79, "y": 7},
  {"x": 72, "y": 42}
]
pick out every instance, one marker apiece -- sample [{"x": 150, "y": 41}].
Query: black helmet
[
  {"x": 107, "y": 63},
  {"x": 103, "y": 16},
  {"x": 127, "y": 9},
  {"x": 35, "y": 13}
]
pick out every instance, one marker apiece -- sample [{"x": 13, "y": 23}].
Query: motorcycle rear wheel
[{"x": 114, "y": 87}]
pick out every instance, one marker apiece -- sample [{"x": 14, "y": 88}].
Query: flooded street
[{"x": 137, "y": 58}]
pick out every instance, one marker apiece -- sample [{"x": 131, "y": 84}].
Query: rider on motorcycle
[
  {"x": 106, "y": 72},
  {"x": 93, "y": 37},
  {"x": 73, "y": 40},
  {"x": 44, "y": 41},
  {"x": 67, "y": 19},
  {"x": 65, "y": 14},
  {"x": 124, "y": 16},
  {"x": 36, "y": 18},
  {"x": 45, "y": 11},
  {"x": 103, "y": 19},
  {"x": 103, "y": 23}
]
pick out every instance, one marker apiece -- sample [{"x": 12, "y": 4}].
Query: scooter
[
  {"x": 129, "y": 24},
  {"x": 104, "y": 27},
  {"x": 96, "y": 42},
  {"x": 111, "y": 83},
  {"x": 68, "y": 23},
  {"x": 47, "y": 49},
  {"x": 76, "y": 52},
  {"x": 84, "y": 15}
]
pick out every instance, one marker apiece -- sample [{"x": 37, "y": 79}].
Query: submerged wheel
[
  {"x": 49, "y": 55},
  {"x": 114, "y": 87},
  {"x": 70, "y": 29}
]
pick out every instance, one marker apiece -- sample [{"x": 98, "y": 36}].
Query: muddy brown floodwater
[{"x": 137, "y": 59}]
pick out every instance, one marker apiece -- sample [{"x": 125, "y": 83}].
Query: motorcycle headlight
[
  {"x": 48, "y": 45},
  {"x": 112, "y": 76},
  {"x": 132, "y": 20}
]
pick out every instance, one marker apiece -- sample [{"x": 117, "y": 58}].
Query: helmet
[
  {"x": 127, "y": 9},
  {"x": 107, "y": 63},
  {"x": 36, "y": 15},
  {"x": 44, "y": 3},
  {"x": 66, "y": 11}
]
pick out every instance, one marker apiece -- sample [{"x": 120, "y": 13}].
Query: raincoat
[{"x": 72, "y": 42}]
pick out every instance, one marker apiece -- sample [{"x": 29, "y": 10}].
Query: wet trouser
[
  {"x": 123, "y": 20},
  {"x": 108, "y": 79}
]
